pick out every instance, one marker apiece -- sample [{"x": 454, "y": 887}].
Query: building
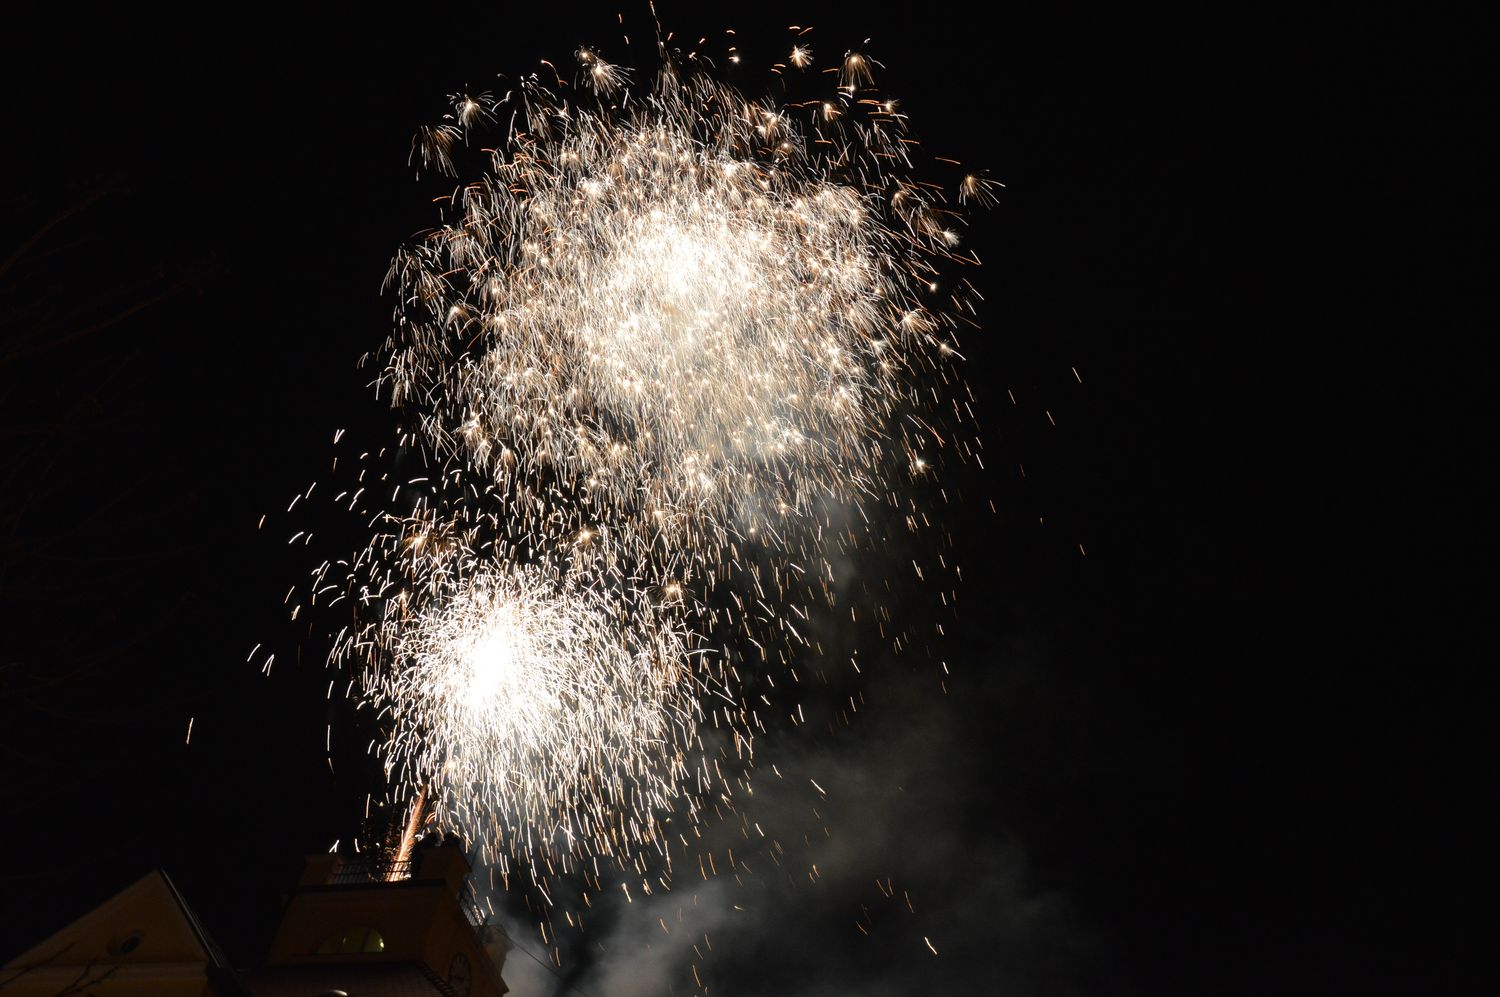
[
  {"x": 145, "y": 941},
  {"x": 351, "y": 929}
]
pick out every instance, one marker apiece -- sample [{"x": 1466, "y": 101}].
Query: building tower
[{"x": 375, "y": 928}]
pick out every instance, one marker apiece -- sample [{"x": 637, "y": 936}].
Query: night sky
[{"x": 1223, "y": 674}]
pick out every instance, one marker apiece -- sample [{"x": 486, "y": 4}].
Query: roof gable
[{"x": 147, "y": 922}]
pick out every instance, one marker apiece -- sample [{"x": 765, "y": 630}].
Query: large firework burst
[
  {"x": 692, "y": 312},
  {"x": 662, "y": 342}
]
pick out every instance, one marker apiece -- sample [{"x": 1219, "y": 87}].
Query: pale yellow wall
[
  {"x": 420, "y": 923},
  {"x": 139, "y": 980},
  {"x": 419, "y": 919},
  {"x": 166, "y": 959},
  {"x": 402, "y": 915}
]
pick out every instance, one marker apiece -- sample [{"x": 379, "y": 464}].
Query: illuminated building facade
[{"x": 350, "y": 929}]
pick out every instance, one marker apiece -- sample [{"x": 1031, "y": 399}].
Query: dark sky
[{"x": 1243, "y": 746}]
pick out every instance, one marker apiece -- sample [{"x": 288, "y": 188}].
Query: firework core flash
[{"x": 520, "y": 699}]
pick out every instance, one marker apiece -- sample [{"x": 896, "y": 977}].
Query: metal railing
[
  {"x": 468, "y": 902},
  {"x": 371, "y": 871}
]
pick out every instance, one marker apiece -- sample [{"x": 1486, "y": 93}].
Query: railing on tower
[{"x": 370, "y": 870}]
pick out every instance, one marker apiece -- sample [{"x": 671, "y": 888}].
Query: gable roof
[{"x": 151, "y": 911}]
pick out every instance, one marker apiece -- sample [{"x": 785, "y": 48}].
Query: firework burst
[
  {"x": 698, "y": 316},
  {"x": 536, "y": 707},
  {"x": 665, "y": 340}
]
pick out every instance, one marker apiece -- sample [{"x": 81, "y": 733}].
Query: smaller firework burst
[{"x": 518, "y": 695}]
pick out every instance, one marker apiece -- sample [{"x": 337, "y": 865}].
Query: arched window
[{"x": 351, "y": 941}]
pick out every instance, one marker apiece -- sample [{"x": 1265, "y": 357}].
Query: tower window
[{"x": 351, "y": 941}]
